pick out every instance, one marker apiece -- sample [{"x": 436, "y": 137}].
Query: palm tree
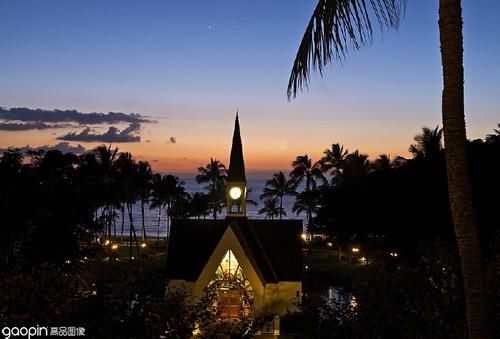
[
  {"x": 457, "y": 167},
  {"x": 249, "y": 200},
  {"x": 337, "y": 24},
  {"x": 157, "y": 198},
  {"x": 276, "y": 188},
  {"x": 143, "y": 187},
  {"x": 383, "y": 162},
  {"x": 356, "y": 165},
  {"x": 199, "y": 205},
  {"x": 303, "y": 169},
  {"x": 271, "y": 209},
  {"x": 105, "y": 158},
  {"x": 429, "y": 144},
  {"x": 127, "y": 169},
  {"x": 307, "y": 202},
  {"x": 333, "y": 161},
  {"x": 215, "y": 174},
  {"x": 495, "y": 136},
  {"x": 174, "y": 188}
]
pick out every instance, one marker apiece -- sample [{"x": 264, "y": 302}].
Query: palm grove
[{"x": 55, "y": 205}]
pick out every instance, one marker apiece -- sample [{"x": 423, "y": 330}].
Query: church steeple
[
  {"x": 236, "y": 171},
  {"x": 236, "y": 179}
]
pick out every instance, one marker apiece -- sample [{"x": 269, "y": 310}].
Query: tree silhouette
[
  {"x": 271, "y": 209},
  {"x": 199, "y": 205},
  {"x": 174, "y": 188},
  {"x": 333, "y": 162},
  {"x": 303, "y": 169},
  {"x": 143, "y": 188},
  {"x": 428, "y": 144},
  {"x": 127, "y": 168},
  {"x": 307, "y": 202},
  {"x": 215, "y": 174},
  {"x": 157, "y": 198},
  {"x": 335, "y": 26},
  {"x": 277, "y": 188},
  {"x": 356, "y": 165},
  {"x": 494, "y": 137}
]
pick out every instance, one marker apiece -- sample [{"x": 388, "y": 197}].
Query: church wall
[{"x": 282, "y": 297}]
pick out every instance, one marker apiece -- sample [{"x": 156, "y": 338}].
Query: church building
[{"x": 252, "y": 267}]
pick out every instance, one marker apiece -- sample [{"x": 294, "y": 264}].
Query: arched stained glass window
[{"x": 233, "y": 296}]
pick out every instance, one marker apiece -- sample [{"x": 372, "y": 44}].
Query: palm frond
[{"x": 335, "y": 27}]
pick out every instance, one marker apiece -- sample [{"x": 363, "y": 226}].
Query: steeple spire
[
  {"x": 236, "y": 171},
  {"x": 236, "y": 179}
]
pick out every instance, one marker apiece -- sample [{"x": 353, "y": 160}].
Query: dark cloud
[
  {"x": 25, "y": 126},
  {"x": 172, "y": 140},
  {"x": 112, "y": 135},
  {"x": 52, "y": 116},
  {"x": 64, "y": 147}
]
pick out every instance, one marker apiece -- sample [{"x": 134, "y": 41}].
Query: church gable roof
[{"x": 273, "y": 247}]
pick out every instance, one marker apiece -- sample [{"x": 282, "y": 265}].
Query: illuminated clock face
[{"x": 235, "y": 192}]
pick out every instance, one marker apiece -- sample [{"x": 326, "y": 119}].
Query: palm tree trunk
[
  {"x": 143, "y": 229},
  {"x": 130, "y": 232},
  {"x": 281, "y": 207},
  {"x": 459, "y": 185},
  {"x": 309, "y": 221},
  {"x": 109, "y": 220},
  {"x": 159, "y": 221},
  {"x": 123, "y": 222},
  {"x": 114, "y": 224},
  {"x": 133, "y": 234},
  {"x": 169, "y": 208}
]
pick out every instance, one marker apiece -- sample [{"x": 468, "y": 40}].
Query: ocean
[{"x": 151, "y": 215}]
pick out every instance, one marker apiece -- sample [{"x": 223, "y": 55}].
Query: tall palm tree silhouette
[
  {"x": 333, "y": 161},
  {"x": 277, "y": 188},
  {"x": 271, "y": 209},
  {"x": 174, "y": 188},
  {"x": 383, "y": 162},
  {"x": 143, "y": 186},
  {"x": 105, "y": 160},
  {"x": 127, "y": 168},
  {"x": 495, "y": 136},
  {"x": 337, "y": 25},
  {"x": 307, "y": 202},
  {"x": 165, "y": 191},
  {"x": 355, "y": 166},
  {"x": 304, "y": 169},
  {"x": 215, "y": 174},
  {"x": 157, "y": 198},
  {"x": 199, "y": 205},
  {"x": 428, "y": 144}
]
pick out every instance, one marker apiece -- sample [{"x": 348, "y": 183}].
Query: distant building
[{"x": 253, "y": 267}]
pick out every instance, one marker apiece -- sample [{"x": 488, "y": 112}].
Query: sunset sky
[{"x": 187, "y": 66}]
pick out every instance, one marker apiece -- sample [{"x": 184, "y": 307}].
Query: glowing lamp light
[
  {"x": 114, "y": 247},
  {"x": 355, "y": 250},
  {"x": 303, "y": 236},
  {"x": 393, "y": 254},
  {"x": 143, "y": 245},
  {"x": 329, "y": 244},
  {"x": 235, "y": 193},
  {"x": 106, "y": 242}
]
